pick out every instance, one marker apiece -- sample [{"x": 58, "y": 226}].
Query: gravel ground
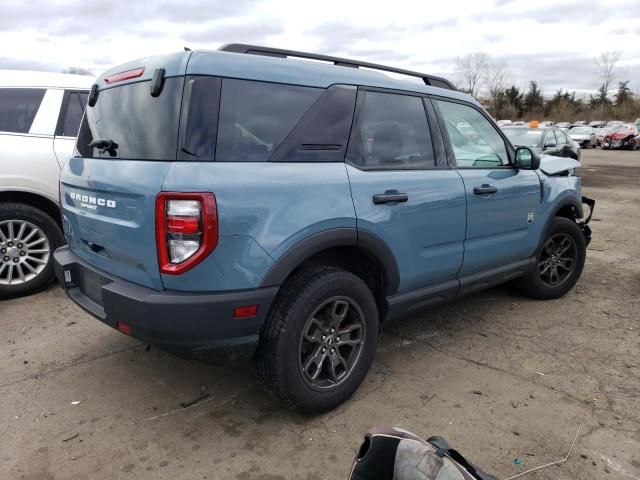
[{"x": 499, "y": 375}]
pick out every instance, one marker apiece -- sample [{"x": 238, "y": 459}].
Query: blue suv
[{"x": 248, "y": 203}]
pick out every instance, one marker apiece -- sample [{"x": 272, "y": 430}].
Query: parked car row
[{"x": 613, "y": 134}]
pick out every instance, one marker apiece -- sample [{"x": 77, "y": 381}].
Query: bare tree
[
  {"x": 606, "y": 64},
  {"x": 497, "y": 77},
  {"x": 471, "y": 70}
]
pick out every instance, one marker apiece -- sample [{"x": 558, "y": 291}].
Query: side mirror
[{"x": 527, "y": 159}]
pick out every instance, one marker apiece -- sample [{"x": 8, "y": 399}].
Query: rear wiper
[{"x": 108, "y": 146}]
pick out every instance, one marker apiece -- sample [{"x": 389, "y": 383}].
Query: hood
[
  {"x": 579, "y": 136},
  {"x": 553, "y": 165}
]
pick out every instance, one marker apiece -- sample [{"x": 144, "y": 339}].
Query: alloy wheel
[
  {"x": 24, "y": 252},
  {"x": 331, "y": 343},
  {"x": 557, "y": 259}
]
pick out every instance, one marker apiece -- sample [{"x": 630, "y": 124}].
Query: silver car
[
  {"x": 40, "y": 115},
  {"x": 586, "y": 137}
]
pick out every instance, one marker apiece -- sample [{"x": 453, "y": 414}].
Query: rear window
[
  {"x": 255, "y": 117},
  {"x": 18, "y": 108},
  {"x": 142, "y": 127}
]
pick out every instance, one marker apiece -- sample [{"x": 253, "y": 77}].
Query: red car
[{"x": 622, "y": 137}]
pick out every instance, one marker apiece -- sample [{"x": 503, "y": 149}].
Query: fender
[
  {"x": 370, "y": 243},
  {"x": 565, "y": 202}
]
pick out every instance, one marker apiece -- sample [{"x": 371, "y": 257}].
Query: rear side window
[
  {"x": 18, "y": 108},
  {"x": 391, "y": 133},
  {"x": 255, "y": 117},
  {"x": 71, "y": 113},
  {"x": 142, "y": 127}
]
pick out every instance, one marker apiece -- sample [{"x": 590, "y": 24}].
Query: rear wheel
[
  {"x": 28, "y": 238},
  {"x": 319, "y": 340},
  {"x": 559, "y": 261}
]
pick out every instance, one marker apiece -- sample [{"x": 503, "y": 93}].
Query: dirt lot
[{"x": 499, "y": 375}]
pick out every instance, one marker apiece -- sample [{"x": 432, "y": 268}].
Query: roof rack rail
[{"x": 343, "y": 62}]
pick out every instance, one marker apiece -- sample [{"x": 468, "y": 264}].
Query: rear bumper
[{"x": 193, "y": 325}]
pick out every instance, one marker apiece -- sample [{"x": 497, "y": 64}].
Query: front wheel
[
  {"x": 319, "y": 340},
  {"x": 28, "y": 238},
  {"x": 559, "y": 261}
]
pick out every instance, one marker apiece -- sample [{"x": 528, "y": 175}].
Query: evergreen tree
[{"x": 533, "y": 102}]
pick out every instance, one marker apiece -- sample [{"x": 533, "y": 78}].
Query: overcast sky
[{"x": 551, "y": 41}]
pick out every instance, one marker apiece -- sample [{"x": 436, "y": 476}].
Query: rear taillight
[{"x": 186, "y": 229}]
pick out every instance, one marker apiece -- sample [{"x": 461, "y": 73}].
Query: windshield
[
  {"x": 523, "y": 137},
  {"x": 580, "y": 130},
  {"x": 128, "y": 123}
]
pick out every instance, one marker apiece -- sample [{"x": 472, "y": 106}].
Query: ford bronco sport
[{"x": 237, "y": 204}]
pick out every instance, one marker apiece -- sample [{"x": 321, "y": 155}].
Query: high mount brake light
[
  {"x": 186, "y": 230},
  {"x": 122, "y": 76}
]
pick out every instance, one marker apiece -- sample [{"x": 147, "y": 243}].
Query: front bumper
[
  {"x": 190, "y": 324},
  {"x": 584, "y": 224}
]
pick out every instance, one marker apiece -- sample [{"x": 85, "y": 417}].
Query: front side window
[
  {"x": 128, "y": 123},
  {"x": 474, "y": 140},
  {"x": 255, "y": 117},
  {"x": 18, "y": 108},
  {"x": 391, "y": 133}
]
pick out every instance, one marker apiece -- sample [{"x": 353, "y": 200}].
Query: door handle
[
  {"x": 485, "y": 189},
  {"x": 390, "y": 196}
]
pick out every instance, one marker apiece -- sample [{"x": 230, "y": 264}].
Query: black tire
[
  {"x": 54, "y": 238},
  {"x": 536, "y": 283},
  {"x": 280, "y": 350}
]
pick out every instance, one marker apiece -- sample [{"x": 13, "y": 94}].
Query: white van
[{"x": 40, "y": 114}]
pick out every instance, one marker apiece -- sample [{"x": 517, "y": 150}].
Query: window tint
[
  {"x": 72, "y": 113},
  {"x": 255, "y": 117},
  {"x": 392, "y": 132},
  {"x": 475, "y": 141},
  {"x": 202, "y": 101},
  {"x": 549, "y": 139},
  {"x": 18, "y": 108},
  {"x": 561, "y": 138},
  {"x": 142, "y": 126}
]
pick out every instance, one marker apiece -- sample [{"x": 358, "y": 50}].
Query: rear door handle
[
  {"x": 485, "y": 189},
  {"x": 390, "y": 196}
]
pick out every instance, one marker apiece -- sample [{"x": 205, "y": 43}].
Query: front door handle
[
  {"x": 390, "y": 196},
  {"x": 485, "y": 189}
]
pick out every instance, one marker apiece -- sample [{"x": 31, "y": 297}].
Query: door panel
[
  {"x": 502, "y": 202},
  {"x": 499, "y": 225},
  {"x": 418, "y": 210},
  {"x": 426, "y": 233}
]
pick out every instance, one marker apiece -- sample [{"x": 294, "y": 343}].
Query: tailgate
[{"x": 109, "y": 215}]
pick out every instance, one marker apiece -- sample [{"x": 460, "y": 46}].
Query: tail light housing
[{"x": 186, "y": 230}]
